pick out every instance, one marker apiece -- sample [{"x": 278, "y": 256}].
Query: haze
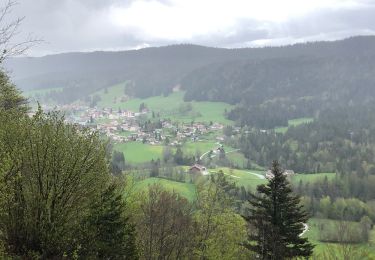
[{"x": 82, "y": 25}]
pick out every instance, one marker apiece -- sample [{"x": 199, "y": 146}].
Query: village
[{"x": 122, "y": 126}]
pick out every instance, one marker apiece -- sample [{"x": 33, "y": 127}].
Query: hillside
[{"x": 259, "y": 73}]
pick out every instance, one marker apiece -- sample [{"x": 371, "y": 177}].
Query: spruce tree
[
  {"x": 11, "y": 98},
  {"x": 277, "y": 220},
  {"x": 109, "y": 233}
]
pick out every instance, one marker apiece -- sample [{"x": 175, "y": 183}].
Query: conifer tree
[
  {"x": 277, "y": 220},
  {"x": 111, "y": 234},
  {"x": 10, "y": 96}
]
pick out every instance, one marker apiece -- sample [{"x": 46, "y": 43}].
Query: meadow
[
  {"x": 314, "y": 235},
  {"x": 137, "y": 152},
  {"x": 311, "y": 177},
  {"x": 294, "y": 122},
  {"x": 186, "y": 190},
  {"x": 166, "y": 106}
]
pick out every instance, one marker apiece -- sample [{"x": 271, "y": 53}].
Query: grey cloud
[{"x": 82, "y": 25}]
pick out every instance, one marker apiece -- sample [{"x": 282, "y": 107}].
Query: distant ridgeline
[{"x": 270, "y": 85}]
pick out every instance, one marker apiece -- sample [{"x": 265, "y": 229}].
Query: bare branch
[{"x": 8, "y": 31}]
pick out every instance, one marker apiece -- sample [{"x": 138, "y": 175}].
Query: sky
[{"x": 89, "y": 25}]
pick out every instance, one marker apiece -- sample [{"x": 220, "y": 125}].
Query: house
[
  {"x": 269, "y": 174},
  {"x": 197, "y": 168}
]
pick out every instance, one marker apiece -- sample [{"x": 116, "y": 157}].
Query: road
[{"x": 306, "y": 228}]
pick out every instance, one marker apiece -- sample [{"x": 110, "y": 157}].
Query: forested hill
[{"x": 232, "y": 75}]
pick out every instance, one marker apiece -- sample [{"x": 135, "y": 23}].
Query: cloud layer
[{"x": 86, "y": 25}]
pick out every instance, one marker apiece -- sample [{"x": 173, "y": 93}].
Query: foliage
[
  {"x": 10, "y": 96},
  {"x": 165, "y": 225},
  {"x": 108, "y": 233},
  {"x": 277, "y": 220},
  {"x": 53, "y": 173}
]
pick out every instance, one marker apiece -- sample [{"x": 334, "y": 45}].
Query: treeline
[
  {"x": 249, "y": 75},
  {"x": 338, "y": 140},
  {"x": 271, "y": 91}
]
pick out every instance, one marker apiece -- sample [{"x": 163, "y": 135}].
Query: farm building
[
  {"x": 269, "y": 174},
  {"x": 197, "y": 168}
]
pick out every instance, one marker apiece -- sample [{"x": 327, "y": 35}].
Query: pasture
[
  {"x": 137, "y": 152},
  {"x": 317, "y": 226},
  {"x": 294, "y": 122},
  {"x": 165, "y": 106},
  {"x": 186, "y": 190}
]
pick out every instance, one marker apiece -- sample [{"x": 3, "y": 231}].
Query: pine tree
[
  {"x": 10, "y": 97},
  {"x": 277, "y": 220},
  {"x": 112, "y": 236}
]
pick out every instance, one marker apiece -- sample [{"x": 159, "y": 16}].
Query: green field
[
  {"x": 199, "y": 146},
  {"x": 186, "y": 190},
  {"x": 294, "y": 122},
  {"x": 237, "y": 158},
  {"x": 167, "y": 107},
  {"x": 312, "y": 177},
  {"x": 137, "y": 152},
  {"x": 313, "y": 234},
  {"x": 246, "y": 178}
]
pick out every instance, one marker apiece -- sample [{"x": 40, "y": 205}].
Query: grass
[
  {"x": 167, "y": 107},
  {"x": 199, "y": 146},
  {"x": 312, "y": 177},
  {"x": 294, "y": 122},
  {"x": 137, "y": 152},
  {"x": 237, "y": 158},
  {"x": 314, "y": 235},
  {"x": 186, "y": 190},
  {"x": 246, "y": 178}
]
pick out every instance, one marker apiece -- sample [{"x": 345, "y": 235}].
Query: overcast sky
[{"x": 87, "y": 25}]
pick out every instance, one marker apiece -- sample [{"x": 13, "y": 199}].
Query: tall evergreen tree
[
  {"x": 110, "y": 233},
  {"x": 10, "y": 96},
  {"x": 277, "y": 220}
]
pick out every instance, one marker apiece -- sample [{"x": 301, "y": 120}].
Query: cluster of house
[
  {"x": 123, "y": 125},
  {"x": 287, "y": 173}
]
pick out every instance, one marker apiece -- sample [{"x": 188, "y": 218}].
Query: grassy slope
[
  {"x": 137, "y": 152},
  {"x": 242, "y": 177},
  {"x": 294, "y": 122},
  {"x": 166, "y": 106},
  {"x": 313, "y": 177},
  {"x": 186, "y": 190},
  {"x": 313, "y": 235}
]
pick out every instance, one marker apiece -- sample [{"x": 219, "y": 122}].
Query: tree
[
  {"x": 154, "y": 171},
  {"x": 10, "y": 96},
  {"x": 277, "y": 219},
  {"x": 165, "y": 225},
  {"x": 179, "y": 156},
  {"x": 50, "y": 174},
  {"x": 9, "y": 28},
  {"x": 118, "y": 162},
  {"x": 219, "y": 231},
  {"x": 109, "y": 235}
]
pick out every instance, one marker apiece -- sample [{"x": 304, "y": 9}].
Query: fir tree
[
  {"x": 111, "y": 234},
  {"x": 277, "y": 220},
  {"x": 10, "y": 97}
]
